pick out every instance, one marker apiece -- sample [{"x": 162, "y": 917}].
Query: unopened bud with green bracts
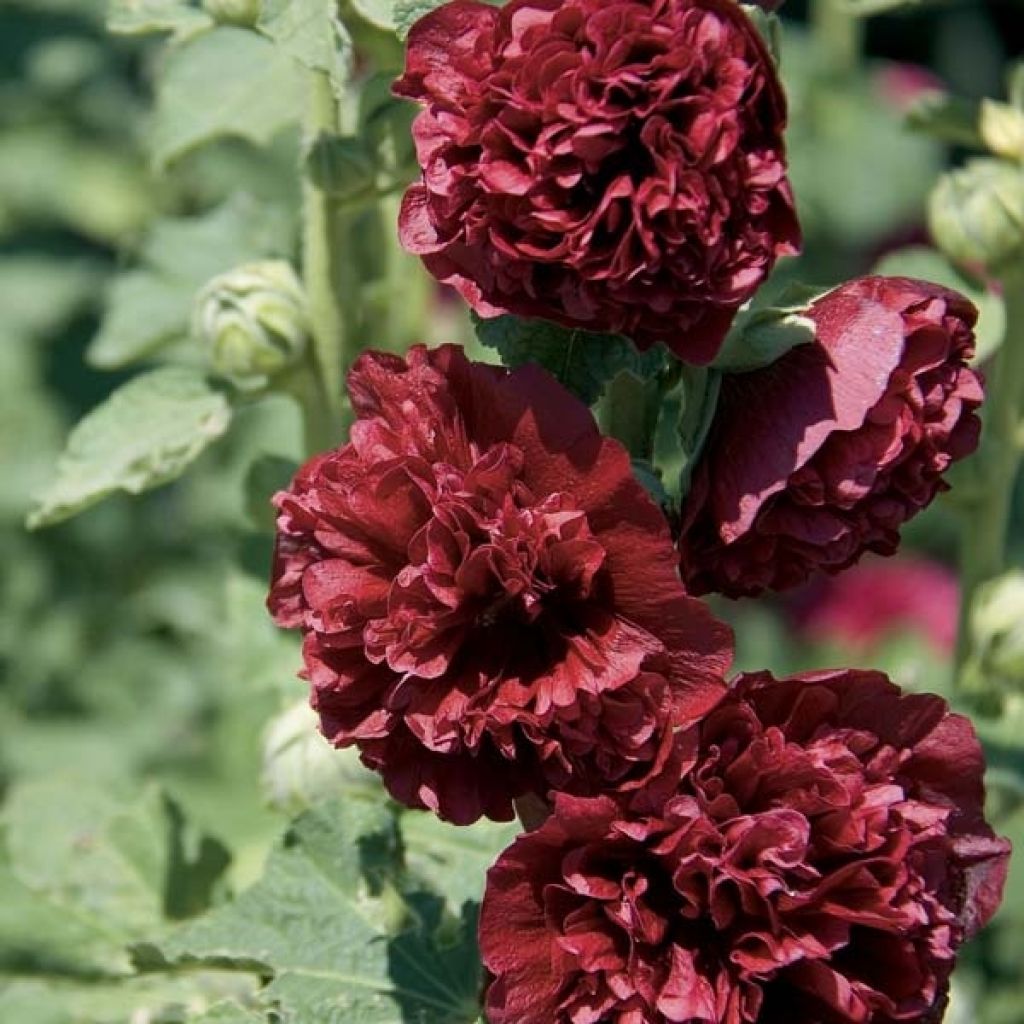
[
  {"x": 976, "y": 215},
  {"x": 253, "y": 321},
  {"x": 997, "y": 636}
]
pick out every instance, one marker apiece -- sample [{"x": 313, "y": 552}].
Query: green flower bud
[
  {"x": 976, "y": 215},
  {"x": 233, "y": 12},
  {"x": 300, "y": 768},
  {"x": 997, "y": 634},
  {"x": 1002, "y": 129},
  {"x": 254, "y": 322}
]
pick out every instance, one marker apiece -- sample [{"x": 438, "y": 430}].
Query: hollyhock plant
[
  {"x": 611, "y": 166},
  {"x": 821, "y": 859},
  {"x": 824, "y": 454},
  {"x": 490, "y": 602}
]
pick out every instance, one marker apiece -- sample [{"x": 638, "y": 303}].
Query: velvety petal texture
[
  {"x": 824, "y": 455},
  {"x": 820, "y": 860},
  {"x": 491, "y": 603},
  {"x": 617, "y": 166}
]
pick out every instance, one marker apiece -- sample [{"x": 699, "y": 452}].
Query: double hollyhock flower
[
  {"x": 490, "y": 601},
  {"x": 820, "y": 860},
  {"x": 827, "y": 452},
  {"x": 616, "y": 165}
]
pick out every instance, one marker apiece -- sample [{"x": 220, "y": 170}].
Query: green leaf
[
  {"x": 700, "y": 390},
  {"x": 39, "y": 294},
  {"x": 140, "y": 17},
  {"x": 929, "y": 264},
  {"x": 267, "y": 475},
  {"x": 114, "y": 1001},
  {"x": 584, "y": 362},
  {"x": 150, "y": 307},
  {"x": 228, "y": 1013},
  {"x": 759, "y": 337},
  {"x": 121, "y": 866},
  {"x": 341, "y": 166},
  {"x": 146, "y": 434},
  {"x": 452, "y": 859},
  {"x": 376, "y": 12},
  {"x": 226, "y": 82},
  {"x": 327, "y": 925},
  {"x": 405, "y": 13},
  {"x": 947, "y": 119},
  {"x": 312, "y": 33}
]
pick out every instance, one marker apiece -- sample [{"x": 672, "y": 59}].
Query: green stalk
[
  {"x": 331, "y": 287},
  {"x": 838, "y": 36},
  {"x": 986, "y": 517}
]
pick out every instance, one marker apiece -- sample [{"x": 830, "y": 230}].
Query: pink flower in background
[
  {"x": 826, "y": 453},
  {"x": 821, "y": 860},
  {"x": 865, "y": 605},
  {"x": 616, "y": 166},
  {"x": 489, "y": 600}
]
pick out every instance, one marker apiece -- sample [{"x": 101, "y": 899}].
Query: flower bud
[
  {"x": 997, "y": 634},
  {"x": 233, "y": 12},
  {"x": 976, "y": 214},
  {"x": 1002, "y": 129},
  {"x": 300, "y": 768},
  {"x": 254, "y": 322}
]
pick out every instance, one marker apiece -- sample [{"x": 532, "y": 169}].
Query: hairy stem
[
  {"x": 986, "y": 517},
  {"x": 332, "y": 294}
]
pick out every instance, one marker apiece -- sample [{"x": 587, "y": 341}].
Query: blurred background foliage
[{"x": 138, "y": 670}]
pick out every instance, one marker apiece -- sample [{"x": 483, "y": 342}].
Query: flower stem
[
  {"x": 838, "y": 35},
  {"x": 986, "y": 518},
  {"x": 330, "y": 293}
]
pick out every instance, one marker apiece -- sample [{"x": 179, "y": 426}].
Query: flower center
[{"x": 490, "y": 559}]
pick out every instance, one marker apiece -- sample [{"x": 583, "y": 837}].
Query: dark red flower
[
  {"x": 616, "y": 166},
  {"x": 490, "y": 601},
  {"x": 820, "y": 861},
  {"x": 827, "y": 452},
  {"x": 863, "y": 607}
]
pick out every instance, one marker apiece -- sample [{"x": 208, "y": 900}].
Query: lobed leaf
[
  {"x": 226, "y": 82},
  {"x": 142, "y": 17},
  {"x": 583, "y": 361},
  {"x": 376, "y": 12},
  {"x": 311, "y": 32},
  {"x": 405, "y": 13},
  {"x": 146, "y": 434},
  {"x": 120, "y": 866},
  {"x": 328, "y": 926}
]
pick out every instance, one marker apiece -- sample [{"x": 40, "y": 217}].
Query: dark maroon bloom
[
  {"x": 616, "y": 166},
  {"x": 490, "y": 602},
  {"x": 866, "y": 605},
  {"x": 827, "y": 452},
  {"x": 820, "y": 862}
]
